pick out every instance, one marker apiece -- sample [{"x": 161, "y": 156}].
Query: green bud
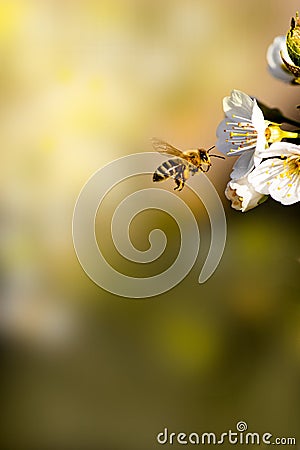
[
  {"x": 293, "y": 40},
  {"x": 295, "y": 70}
]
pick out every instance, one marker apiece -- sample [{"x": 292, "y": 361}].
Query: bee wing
[{"x": 163, "y": 147}]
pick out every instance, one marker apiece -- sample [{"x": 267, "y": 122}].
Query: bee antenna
[
  {"x": 218, "y": 156},
  {"x": 210, "y": 148}
]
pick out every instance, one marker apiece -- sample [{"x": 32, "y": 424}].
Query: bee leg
[
  {"x": 207, "y": 169},
  {"x": 179, "y": 184}
]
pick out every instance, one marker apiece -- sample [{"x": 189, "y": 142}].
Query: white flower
[
  {"x": 275, "y": 63},
  {"x": 279, "y": 175},
  {"x": 243, "y": 128},
  {"x": 239, "y": 190},
  {"x": 242, "y": 194}
]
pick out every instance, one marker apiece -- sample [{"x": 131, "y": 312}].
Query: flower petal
[
  {"x": 270, "y": 178},
  {"x": 279, "y": 149},
  {"x": 275, "y": 63},
  {"x": 257, "y": 118},
  {"x": 222, "y": 145},
  {"x": 243, "y": 165},
  {"x": 239, "y": 104},
  {"x": 260, "y": 124},
  {"x": 244, "y": 128},
  {"x": 265, "y": 174},
  {"x": 230, "y": 194},
  {"x": 243, "y": 191},
  {"x": 287, "y": 190}
]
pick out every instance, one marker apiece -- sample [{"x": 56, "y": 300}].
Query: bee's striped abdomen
[{"x": 166, "y": 170}]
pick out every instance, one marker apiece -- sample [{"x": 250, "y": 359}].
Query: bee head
[
  {"x": 201, "y": 158},
  {"x": 204, "y": 156}
]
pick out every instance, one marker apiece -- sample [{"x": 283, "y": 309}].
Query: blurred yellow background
[{"x": 81, "y": 84}]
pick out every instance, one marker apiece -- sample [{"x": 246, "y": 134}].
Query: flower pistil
[{"x": 274, "y": 133}]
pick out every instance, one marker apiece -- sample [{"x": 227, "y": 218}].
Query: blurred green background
[{"x": 81, "y": 84}]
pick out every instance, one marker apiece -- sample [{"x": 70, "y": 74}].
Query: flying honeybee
[{"x": 184, "y": 163}]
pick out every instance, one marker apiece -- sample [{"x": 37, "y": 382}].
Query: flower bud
[{"x": 293, "y": 40}]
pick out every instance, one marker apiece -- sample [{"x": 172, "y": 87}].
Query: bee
[{"x": 185, "y": 163}]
